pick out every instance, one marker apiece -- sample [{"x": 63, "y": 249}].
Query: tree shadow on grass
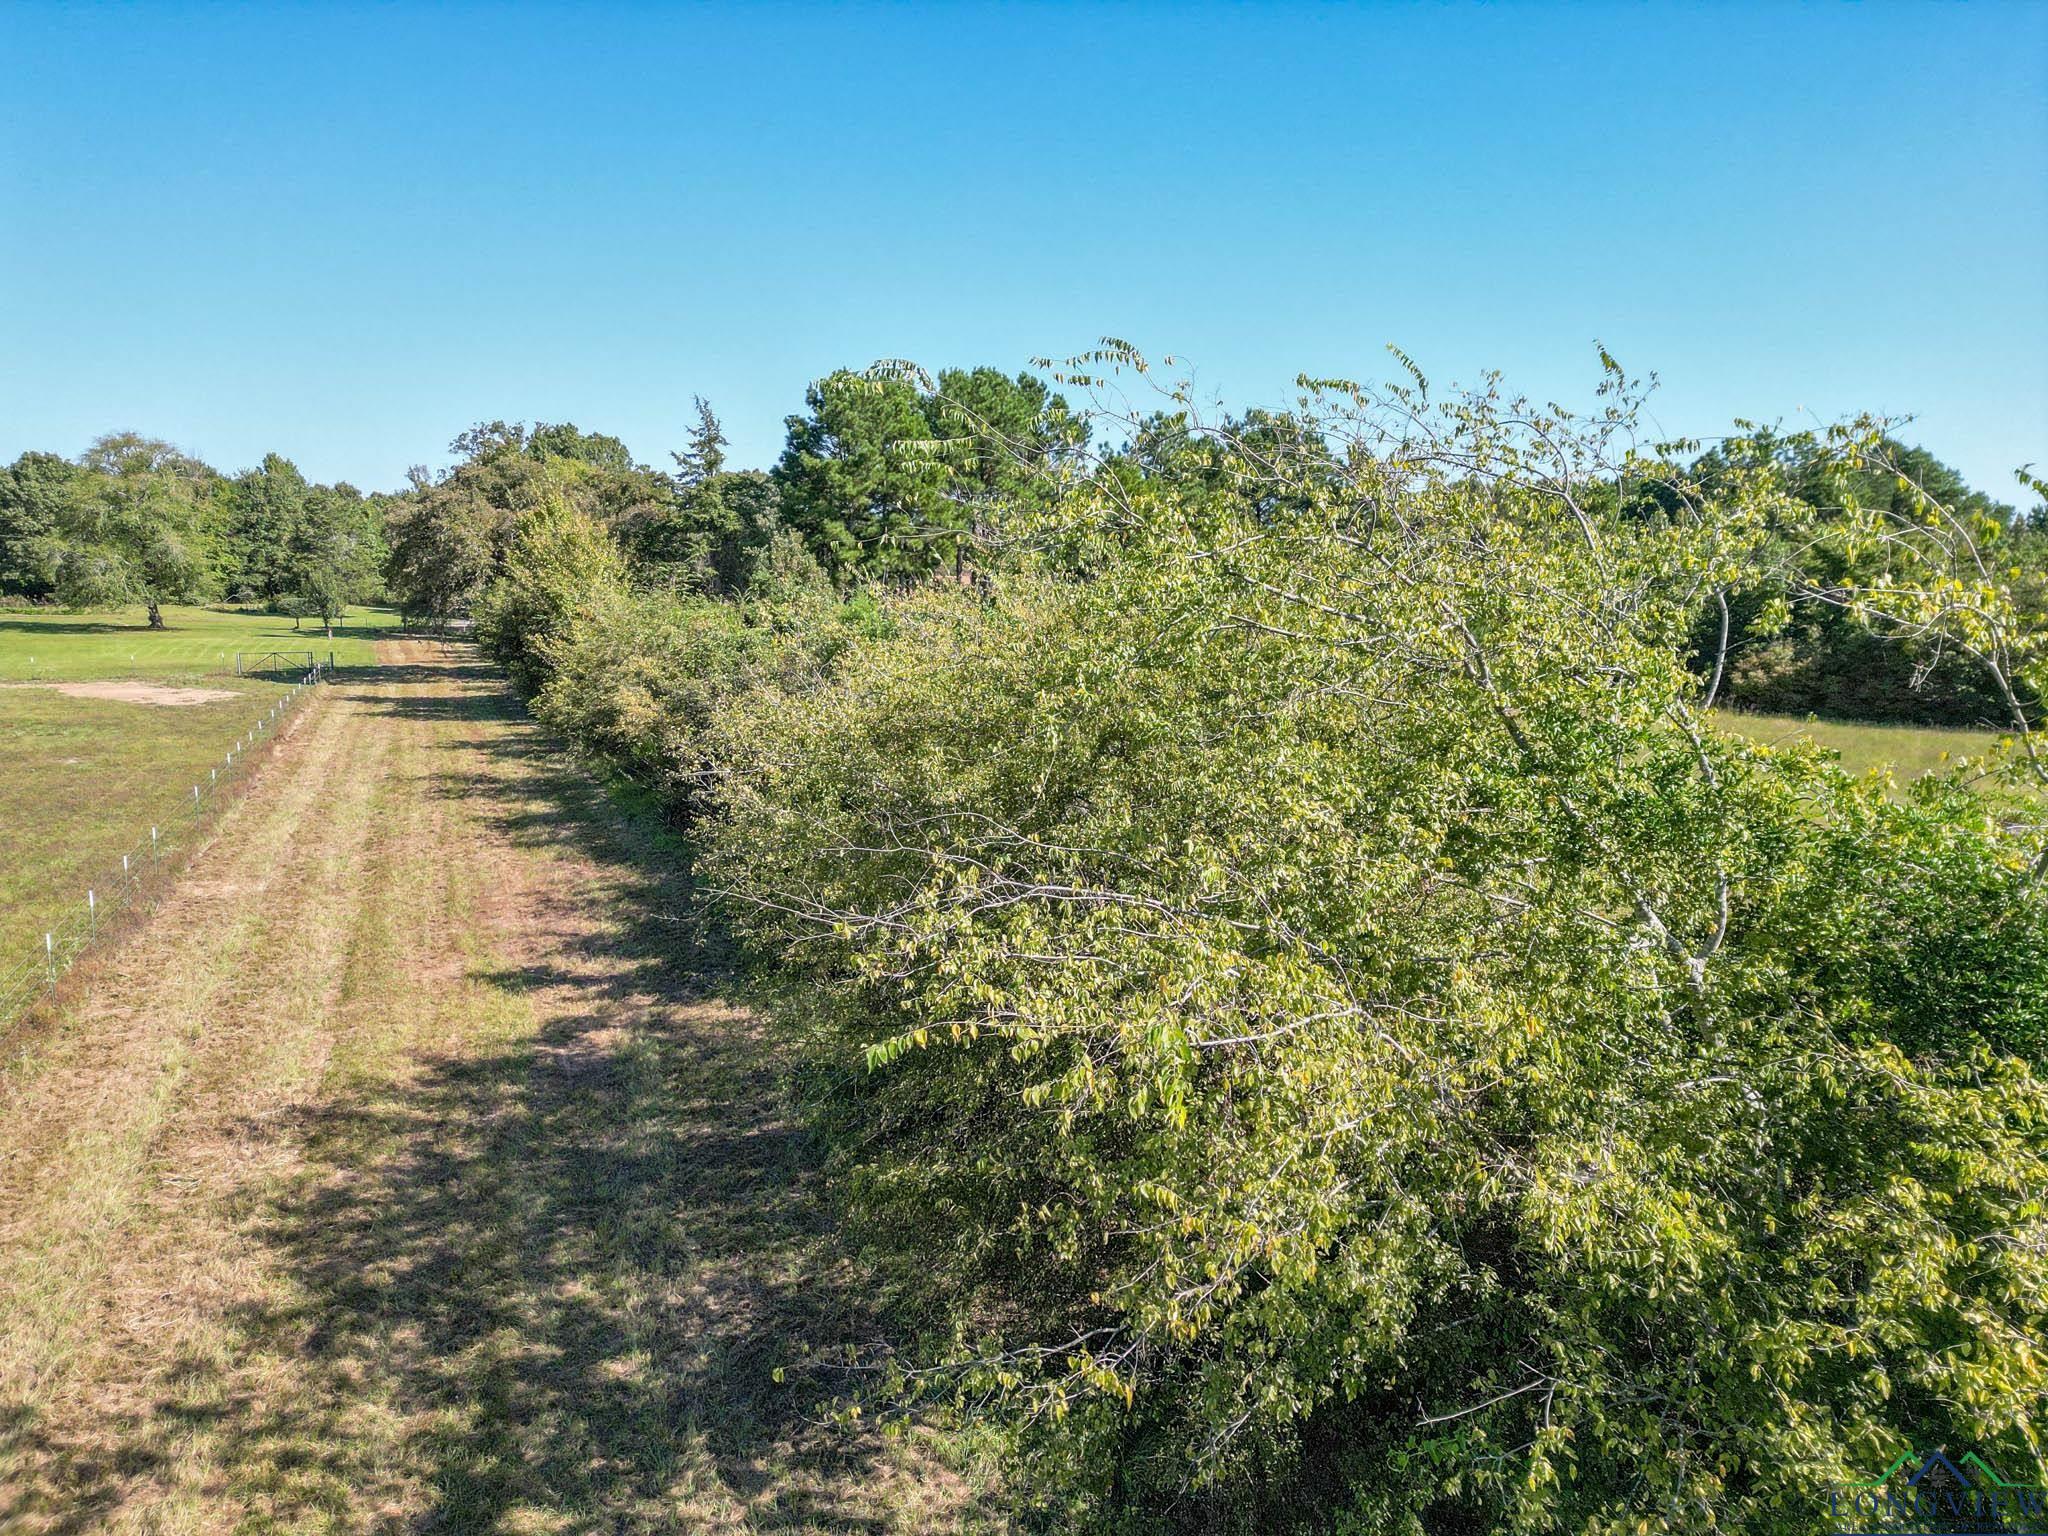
[
  {"x": 72, "y": 627},
  {"x": 587, "y": 1254},
  {"x": 172, "y": 626},
  {"x": 533, "y": 779},
  {"x": 468, "y": 689},
  {"x": 573, "y": 1268}
]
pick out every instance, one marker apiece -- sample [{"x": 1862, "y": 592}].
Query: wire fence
[{"x": 142, "y": 875}]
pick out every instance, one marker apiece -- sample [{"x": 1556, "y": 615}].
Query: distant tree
[
  {"x": 1777, "y": 652},
  {"x": 265, "y": 508},
  {"x": 705, "y": 456},
  {"x": 334, "y": 555},
  {"x": 33, "y": 492},
  {"x": 448, "y": 536},
  {"x": 1209, "y": 460},
  {"x": 1006, "y": 427},
  {"x": 712, "y": 532},
  {"x": 514, "y": 468},
  {"x": 708, "y": 532},
  {"x": 489, "y": 440},
  {"x": 562, "y": 440},
  {"x": 139, "y": 529},
  {"x": 885, "y": 478},
  {"x": 559, "y": 559}
]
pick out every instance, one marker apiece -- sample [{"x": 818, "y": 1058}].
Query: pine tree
[{"x": 705, "y": 457}]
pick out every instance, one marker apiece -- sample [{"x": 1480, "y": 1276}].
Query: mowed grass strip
[
  {"x": 469, "y": 1203},
  {"x": 82, "y": 780}
]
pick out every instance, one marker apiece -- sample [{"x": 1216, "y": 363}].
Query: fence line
[{"x": 143, "y": 874}]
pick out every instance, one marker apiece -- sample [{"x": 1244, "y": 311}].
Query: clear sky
[{"x": 344, "y": 233}]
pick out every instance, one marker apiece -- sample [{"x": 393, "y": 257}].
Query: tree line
[
  {"x": 880, "y": 480},
  {"x": 1312, "y": 1020},
  {"x": 134, "y": 521}
]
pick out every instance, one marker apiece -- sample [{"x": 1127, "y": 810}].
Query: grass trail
[{"x": 408, "y": 1171}]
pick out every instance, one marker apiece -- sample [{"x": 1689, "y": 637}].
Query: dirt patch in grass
[{"x": 131, "y": 692}]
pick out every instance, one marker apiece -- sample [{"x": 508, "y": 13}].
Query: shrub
[
  {"x": 1333, "y": 1038},
  {"x": 639, "y": 678},
  {"x": 1318, "y": 1027},
  {"x": 559, "y": 561}
]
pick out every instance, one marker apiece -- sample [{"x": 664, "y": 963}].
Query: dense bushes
[
  {"x": 558, "y": 562},
  {"x": 1325, "y": 1034}
]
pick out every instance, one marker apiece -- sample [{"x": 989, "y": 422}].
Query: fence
[
  {"x": 145, "y": 872},
  {"x": 289, "y": 663}
]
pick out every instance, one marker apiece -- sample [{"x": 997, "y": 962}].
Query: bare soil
[{"x": 132, "y": 692}]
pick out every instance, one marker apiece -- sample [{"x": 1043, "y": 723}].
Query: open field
[
  {"x": 82, "y": 779},
  {"x": 51, "y": 644},
  {"x": 469, "y": 1202},
  {"x": 1908, "y": 750}
]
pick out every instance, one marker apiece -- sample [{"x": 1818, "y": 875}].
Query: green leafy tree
[
  {"x": 559, "y": 560},
  {"x": 563, "y": 440},
  {"x": 448, "y": 537},
  {"x": 892, "y": 474},
  {"x": 862, "y": 505},
  {"x": 34, "y": 491},
  {"x": 704, "y": 458},
  {"x": 140, "y": 528},
  {"x": 266, "y": 506},
  {"x": 334, "y": 556},
  {"x": 1786, "y": 642},
  {"x": 707, "y": 533},
  {"x": 1349, "y": 1044},
  {"x": 446, "y": 540}
]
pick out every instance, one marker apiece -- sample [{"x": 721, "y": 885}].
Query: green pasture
[
  {"x": 82, "y": 780},
  {"x": 1909, "y": 751},
  {"x": 195, "y": 642}
]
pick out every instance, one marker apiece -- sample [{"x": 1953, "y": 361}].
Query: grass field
[
  {"x": 415, "y": 1169},
  {"x": 82, "y": 780},
  {"x": 53, "y": 645},
  {"x": 1908, "y": 750}
]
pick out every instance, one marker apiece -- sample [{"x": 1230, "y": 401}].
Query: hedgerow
[{"x": 1326, "y": 1032}]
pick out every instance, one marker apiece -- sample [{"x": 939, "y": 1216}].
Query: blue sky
[{"x": 344, "y": 233}]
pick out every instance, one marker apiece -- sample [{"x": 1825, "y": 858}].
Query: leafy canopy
[{"x": 1347, "y": 1038}]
